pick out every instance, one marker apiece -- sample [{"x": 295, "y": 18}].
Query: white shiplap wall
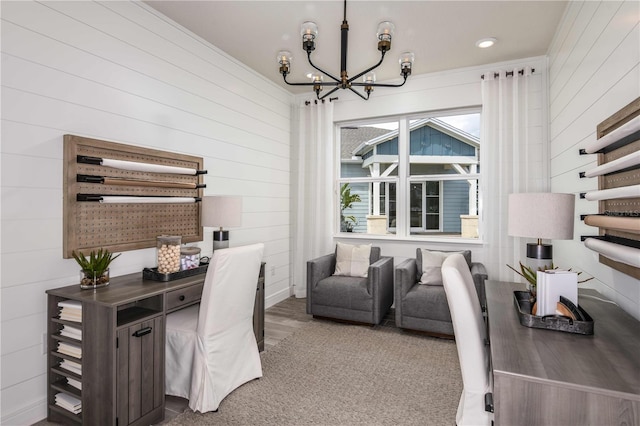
[
  {"x": 451, "y": 90},
  {"x": 119, "y": 71},
  {"x": 594, "y": 70}
]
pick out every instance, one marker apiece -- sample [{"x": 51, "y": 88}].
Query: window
[{"x": 411, "y": 176}]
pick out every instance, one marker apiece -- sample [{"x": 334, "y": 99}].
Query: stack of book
[
  {"x": 72, "y": 332},
  {"x": 73, "y": 382},
  {"x": 70, "y": 310},
  {"x": 69, "y": 403},
  {"x": 70, "y": 349},
  {"x": 74, "y": 367},
  {"x": 552, "y": 284}
]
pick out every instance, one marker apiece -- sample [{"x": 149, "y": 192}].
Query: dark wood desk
[
  {"x": 545, "y": 377},
  {"x": 123, "y": 344}
]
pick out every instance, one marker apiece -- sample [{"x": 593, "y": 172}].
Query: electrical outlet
[{"x": 273, "y": 271}]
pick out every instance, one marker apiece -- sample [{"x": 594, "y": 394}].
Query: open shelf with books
[{"x": 65, "y": 359}]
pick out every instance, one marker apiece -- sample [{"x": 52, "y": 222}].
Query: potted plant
[
  {"x": 94, "y": 270},
  {"x": 346, "y": 202}
]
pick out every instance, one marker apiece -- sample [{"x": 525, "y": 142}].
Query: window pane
[
  {"x": 356, "y": 214},
  {"x": 354, "y": 202},
  {"x": 444, "y": 145},
  {"x": 415, "y": 206},
  {"x": 442, "y": 166},
  {"x": 450, "y": 208},
  {"x": 392, "y": 206},
  {"x": 369, "y": 151}
]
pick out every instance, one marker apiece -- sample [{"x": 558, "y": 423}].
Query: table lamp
[
  {"x": 541, "y": 215},
  {"x": 220, "y": 211}
]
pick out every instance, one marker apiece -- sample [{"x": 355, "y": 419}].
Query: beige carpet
[{"x": 335, "y": 374}]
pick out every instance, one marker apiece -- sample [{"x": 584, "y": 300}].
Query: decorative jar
[
  {"x": 189, "y": 258},
  {"x": 168, "y": 253}
]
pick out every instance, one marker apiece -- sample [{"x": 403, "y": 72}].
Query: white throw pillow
[
  {"x": 432, "y": 266},
  {"x": 352, "y": 260}
]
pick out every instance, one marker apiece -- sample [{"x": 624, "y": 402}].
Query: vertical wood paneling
[
  {"x": 122, "y": 72},
  {"x": 595, "y": 71}
]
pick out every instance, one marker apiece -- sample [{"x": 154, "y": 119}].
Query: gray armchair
[
  {"x": 424, "y": 307},
  {"x": 356, "y": 299}
]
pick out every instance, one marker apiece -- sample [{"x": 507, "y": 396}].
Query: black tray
[
  {"x": 153, "y": 274},
  {"x": 550, "y": 322}
]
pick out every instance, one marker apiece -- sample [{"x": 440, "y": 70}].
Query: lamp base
[
  {"x": 539, "y": 256},
  {"x": 220, "y": 240}
]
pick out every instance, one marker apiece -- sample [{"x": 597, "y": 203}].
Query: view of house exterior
[{"x": 440, "y": 200}]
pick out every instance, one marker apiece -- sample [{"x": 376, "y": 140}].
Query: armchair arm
[
  {"x": 318, "y": 269},
  {"x": 380, "y": 286},
  {"x": 406, "y": 277},
  {"x": 380, "y": 271},
  {"x": 478, "y": 268}
]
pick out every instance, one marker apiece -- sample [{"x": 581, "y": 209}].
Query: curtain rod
[
  {"x": 508, "y": 73},
  {"x": 322, "y": 100}
]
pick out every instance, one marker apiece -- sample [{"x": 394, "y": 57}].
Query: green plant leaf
[{"x": 97, "y": 262}]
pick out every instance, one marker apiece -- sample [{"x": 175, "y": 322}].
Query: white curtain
[
  {"x": 512, "y": 163},
  {"x": 312, "y": 180}
]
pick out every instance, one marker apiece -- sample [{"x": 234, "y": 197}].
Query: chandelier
[{"x": 309, "y": 34}]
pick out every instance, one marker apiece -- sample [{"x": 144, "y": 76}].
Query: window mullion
[{"x": 402, "y": 192}]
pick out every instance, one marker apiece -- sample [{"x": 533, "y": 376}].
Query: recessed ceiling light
[{"x": 486, "y": 42}]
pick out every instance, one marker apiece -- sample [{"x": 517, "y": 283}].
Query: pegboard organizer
[
  {"x": 91, "y": 225},
  {"x": 623, "y": 135}
]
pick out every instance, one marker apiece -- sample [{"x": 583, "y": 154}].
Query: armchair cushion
[
  {"x": 429, "y": 264},
  {"x": 352, "y": 260},
  {"x": 343, "y": 292}
]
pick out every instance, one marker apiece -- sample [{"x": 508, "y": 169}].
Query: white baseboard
[
  {"x": 25, "y": 416},
  {"x": 277, "y": 297}
]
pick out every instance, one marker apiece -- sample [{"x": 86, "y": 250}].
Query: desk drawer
[{"x": 184, "y": 296}]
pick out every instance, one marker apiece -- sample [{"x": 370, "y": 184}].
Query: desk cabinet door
[{"x": 140, "y": 370}]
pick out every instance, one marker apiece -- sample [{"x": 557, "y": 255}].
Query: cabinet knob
[{"x": 181, "y": 298}]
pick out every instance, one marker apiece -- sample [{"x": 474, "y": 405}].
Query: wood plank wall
[
  {"x": 120, "y": 71},
  {"x": 594, "y": 71}
]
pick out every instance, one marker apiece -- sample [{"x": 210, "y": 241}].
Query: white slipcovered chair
[
  {"x": 211, "y": 348},
  {"x": 470, "y": 333}
]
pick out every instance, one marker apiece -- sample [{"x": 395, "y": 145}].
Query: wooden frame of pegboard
[{"x": 121, "y": 197}]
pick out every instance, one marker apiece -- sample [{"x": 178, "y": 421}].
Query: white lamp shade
[
  {"x": 220, "y": 211},
  {"x": 542, "y": 215}
]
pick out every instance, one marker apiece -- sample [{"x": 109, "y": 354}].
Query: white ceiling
[{"x": 442, "y": 34}]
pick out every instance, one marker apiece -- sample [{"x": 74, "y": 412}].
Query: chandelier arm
[
  {"x": 319, "y": 83},
  {"x": 367, "y": 70},
  {"x": 380, "y": 84},
  {"x": 359, "y": 94},
  {"x": 326, "y": 94},
  {"x": 337, "y": 80},
  {"x": 297, "y": 84}
]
